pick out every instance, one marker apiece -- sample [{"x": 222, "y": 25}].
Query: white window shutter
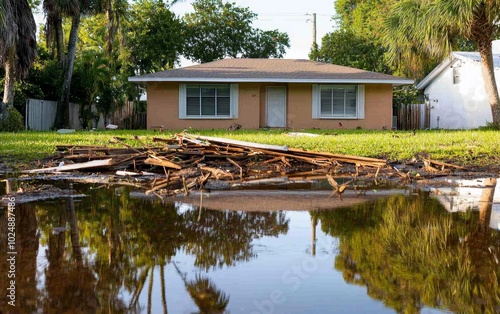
[
  {"x": 182, "y": 101},
  {"x": 234, "y": 101},
  {"x": 315, "y": 101},
  {"x": 361, "y": 102}
]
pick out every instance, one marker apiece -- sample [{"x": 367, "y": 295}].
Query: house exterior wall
[
  {"x": 378, "y": 109},
  {"x": 463, "y": 105},
  {"x": 163, "y": 108}
]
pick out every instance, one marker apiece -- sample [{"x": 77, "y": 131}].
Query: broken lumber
[
  {"x": 78, "y": 166},
  {"x": 158, "y": 161},
  {"x": 444, "y": 164},
  {"x": 238, "y": 143}
]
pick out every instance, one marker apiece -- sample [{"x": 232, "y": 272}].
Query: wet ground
[{"x": 429, "y": 248}]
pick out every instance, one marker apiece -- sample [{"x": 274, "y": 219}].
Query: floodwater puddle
[{"x": 432, "y": 248}]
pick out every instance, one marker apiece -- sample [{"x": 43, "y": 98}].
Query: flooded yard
[{"x": 117, "y": 250}]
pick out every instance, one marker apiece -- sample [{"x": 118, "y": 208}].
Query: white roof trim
[
  {"x": 437, "y": 70},
  {"x": 272, "y": 80},
  {"x": 451, "y": 60}
]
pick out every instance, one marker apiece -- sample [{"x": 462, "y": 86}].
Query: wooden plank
[
  {"x": 312, "y": 160},
  {"x": 439, "y": 163},
  {"x": 365, "y": 161},
  {"x": 78, "y": 166},
  {"x": 239, "y": 143},
  {"x": 157, "y": 161}
]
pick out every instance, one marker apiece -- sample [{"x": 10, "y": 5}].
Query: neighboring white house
[{"x": 455, "y": 91}]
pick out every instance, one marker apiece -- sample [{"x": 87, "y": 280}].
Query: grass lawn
[{"x": 469, "y": 147}]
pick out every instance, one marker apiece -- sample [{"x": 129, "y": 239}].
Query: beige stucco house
[{"x": 269, "y": 93}]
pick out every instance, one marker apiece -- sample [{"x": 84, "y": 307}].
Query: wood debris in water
[{"x": 185, "y": 162}]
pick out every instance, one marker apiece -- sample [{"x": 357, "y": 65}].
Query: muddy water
[{"x": 115, "y": 251}]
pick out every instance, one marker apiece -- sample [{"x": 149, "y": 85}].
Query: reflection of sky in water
[{"x": 283, "y": 270}]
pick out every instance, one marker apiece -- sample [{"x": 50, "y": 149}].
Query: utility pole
[
  {"x": 314, "y": 30},
  {"x": 314, "y": 47}
]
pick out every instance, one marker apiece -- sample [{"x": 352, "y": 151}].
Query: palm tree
[
  {"x": 17, "y": 43},
  {"x": 75, "y": 9},
  {"x": 115, "y": 13},
  {"x": 53, "y": 28},
  {"x": 416, "y": 29}
]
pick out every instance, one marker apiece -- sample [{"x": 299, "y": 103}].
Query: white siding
[{"x": 463, "y": 105}]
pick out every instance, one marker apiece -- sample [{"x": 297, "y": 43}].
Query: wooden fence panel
[{"x": 412, "y": 117}]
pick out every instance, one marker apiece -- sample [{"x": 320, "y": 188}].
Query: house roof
[
  {"x": 454, "y": 57},
  {"x": 270, "y": 70}
]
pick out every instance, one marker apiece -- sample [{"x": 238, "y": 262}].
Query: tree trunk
[
  {"x": 314, "y": 224},
  {"x": 62, "y": 117},
  {"x": 60, "y": 41},
  {"x": 482, "y": 31},
  {"x": 163, "y": 290},
  {"x": 10, "y": 78},
  {"x": 486, "y": 204},
  {"x": 111, "y": 27},
  {"x": 490, "y": 83}
]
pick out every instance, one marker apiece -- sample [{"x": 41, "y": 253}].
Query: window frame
[
  {"x": 233, "y": 101},
  {"x": 317, "y": 101}
]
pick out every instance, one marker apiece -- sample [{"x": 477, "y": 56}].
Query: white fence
[{"x": 41, "y": 114}]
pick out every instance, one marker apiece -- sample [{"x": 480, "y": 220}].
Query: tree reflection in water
[
  {"x": 204, "y": 293},
  {"x": 408, "y": 251},
  {"x": 411, "y": 253},
  {"x": 27, "y": 237},
  {"x": 113, "y": 242}
]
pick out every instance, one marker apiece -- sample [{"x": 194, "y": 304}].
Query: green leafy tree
[
  {"x": 364, "y": 17},
  {"x": 419, "y": 30},
  {"x": 266, "y": 44},
  {"x": 364, "y": 21},
  {"x": 93, "y": 85},
  {"x": 154, "y": 39},
  {"x": 345, "y": 47},
  {"x": 216, "y": 30}
]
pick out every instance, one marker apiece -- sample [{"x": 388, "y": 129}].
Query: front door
[{"x": 276, "y": 107}]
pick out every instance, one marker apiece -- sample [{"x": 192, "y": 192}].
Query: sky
[{"x": 291, "y": 17}]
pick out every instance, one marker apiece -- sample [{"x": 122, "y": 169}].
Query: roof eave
[
  {"x": 394, "y": 82},
  {"x": 426, "y": 81}
]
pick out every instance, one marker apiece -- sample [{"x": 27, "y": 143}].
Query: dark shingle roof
[{"x": 270, "y": 70}]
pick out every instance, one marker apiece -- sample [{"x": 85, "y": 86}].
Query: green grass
[{"x": 470, "y": 147}]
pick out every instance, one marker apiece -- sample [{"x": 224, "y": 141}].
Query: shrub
[
  {"x": 490, "y": 126},
  {"x": 11, "y": 121}
]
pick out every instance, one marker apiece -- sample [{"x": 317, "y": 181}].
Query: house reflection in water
[{"x": 473, "y": 195}]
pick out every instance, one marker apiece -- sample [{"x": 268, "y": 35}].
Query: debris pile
[{"x": 185, "y": 162}]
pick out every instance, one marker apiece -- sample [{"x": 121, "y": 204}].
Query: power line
[
  {"x": 293, "y": 14},
  {"x": 283, "y": 14},
  {"x": 285, "y": 20}
]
